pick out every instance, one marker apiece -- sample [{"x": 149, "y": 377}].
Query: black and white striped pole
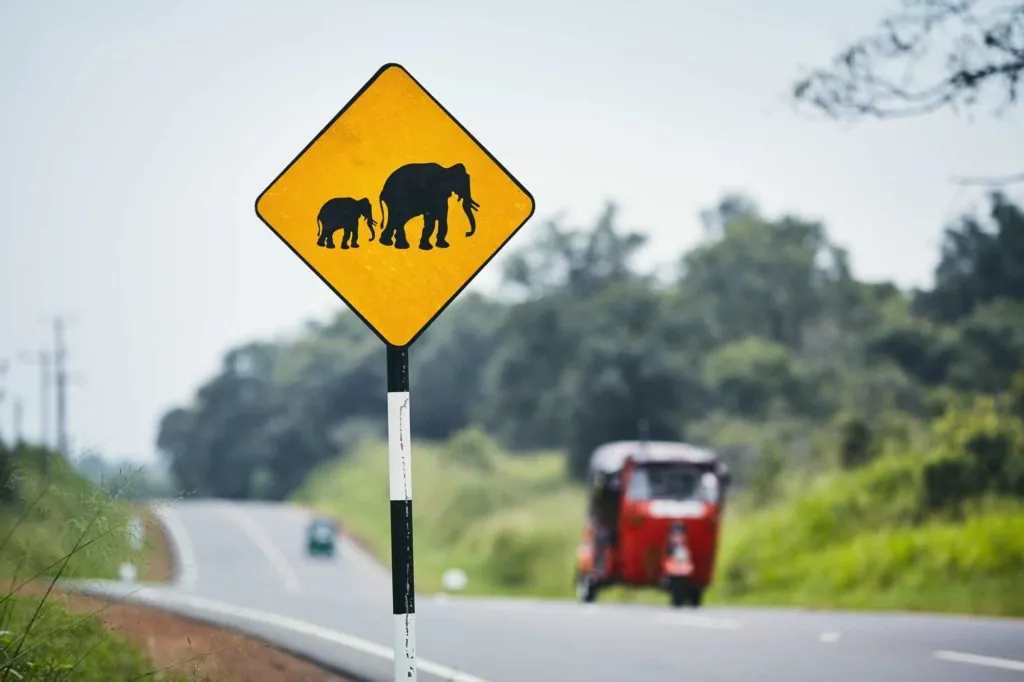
[{"x": 403, "y": 592}]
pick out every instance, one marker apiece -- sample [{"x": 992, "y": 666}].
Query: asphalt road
[{"x": 244, "y": 565}]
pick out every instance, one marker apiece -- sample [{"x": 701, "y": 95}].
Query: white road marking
[
  {"x": 305, "y": 628},
  {"x": 182, "y": 546},
  {"x": 830, "y": 637},
  {"x": 975, "y": 659},
  {"x": 267, "y": 547}
]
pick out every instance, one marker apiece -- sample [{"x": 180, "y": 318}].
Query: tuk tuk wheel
[
  {"x": 683, "y": 593},
  {"x": 586, "y": 590},
  {"x": 678, "y": 592}
]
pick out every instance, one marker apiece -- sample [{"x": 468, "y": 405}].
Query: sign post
[{"x": 395, "y": 150}]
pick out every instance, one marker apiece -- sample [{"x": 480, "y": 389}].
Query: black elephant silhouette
[
  {"x": 343, "y": 214},
  {"x": 423, "y": 189}
]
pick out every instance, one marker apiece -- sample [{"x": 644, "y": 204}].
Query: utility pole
[
  {"x": 60, "y": 372},
  {"x": 3, "y": 392},
  {"x": 18, "y": 435},
  {"x": 44, "y": 398},
  {"x": 43, "y": 359}
]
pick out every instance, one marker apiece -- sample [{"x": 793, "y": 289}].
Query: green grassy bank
[
  {"x": 55, "y": 524},
  {"x": 869, "y": 538}
]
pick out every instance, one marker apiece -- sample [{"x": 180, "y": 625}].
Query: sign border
[{"x": 359, "y": 93}]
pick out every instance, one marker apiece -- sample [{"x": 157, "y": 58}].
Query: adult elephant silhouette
[
  {"x": 343, "y": 214},
  {"x": 423, "y": 189}
]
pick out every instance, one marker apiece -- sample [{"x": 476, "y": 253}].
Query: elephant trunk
[
  {"x": 467, "y": 206},
  {"x": 370, "y": 223}
]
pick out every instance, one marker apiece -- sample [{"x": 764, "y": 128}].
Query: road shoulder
[{"x": 178, "y": 645}]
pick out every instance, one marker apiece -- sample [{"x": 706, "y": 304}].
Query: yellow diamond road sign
[{"x": 395, "y": 206}]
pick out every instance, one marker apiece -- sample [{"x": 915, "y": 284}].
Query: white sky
[{"x": 135, "y": 136}]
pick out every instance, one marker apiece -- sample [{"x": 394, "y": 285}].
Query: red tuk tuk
[{"x": 654, "y": 518}]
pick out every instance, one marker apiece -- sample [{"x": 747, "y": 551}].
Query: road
[{"x": 243, "y": 565}]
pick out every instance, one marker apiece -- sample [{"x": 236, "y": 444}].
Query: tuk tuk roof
[{"x": 610, "y": 457}]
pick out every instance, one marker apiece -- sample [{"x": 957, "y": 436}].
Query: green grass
[
  {"x": 42, "y": 519},
  {"x": 42, "y": 642},
  {"x": 511, "y": 524},
  {"x": 55, "y": 524},
  {"x": 862, "y": 540},
  {"x": 845, "y": 540}
]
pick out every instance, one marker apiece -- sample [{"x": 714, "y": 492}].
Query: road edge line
[
  {"x": 184, "y": 555},
  {"x": 978, "y": 659},
  {"x": 327, "y": 634},
  {"x": 160, "y": 597}
]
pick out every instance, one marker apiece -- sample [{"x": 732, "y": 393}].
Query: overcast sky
[{"x": 135, "y": 136}]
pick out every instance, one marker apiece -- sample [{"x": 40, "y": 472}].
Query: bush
[
  {"x": 472, "y": 448},
  {"x": 990, "y": 437},
  {"x": 948, "y": 483},
  {"x": 856, "y": 443}
]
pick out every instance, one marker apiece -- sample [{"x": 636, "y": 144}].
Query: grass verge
[
  {"x": 54, "y": 524},
  {"x": 135, "y": 643}
]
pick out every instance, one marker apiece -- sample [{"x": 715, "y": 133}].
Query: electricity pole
[
  {"x": 3, "y": 392},
  {"x": 43, "y": 359},
  {"x": 18, "y": 437},
  {"x": 60, "y": 372},
  {"x": 44, "y": 398}
]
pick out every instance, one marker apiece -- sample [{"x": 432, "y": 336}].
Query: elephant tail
[
  {"x": 319, "y": 228},
  {"x": 383, "y": 220}
]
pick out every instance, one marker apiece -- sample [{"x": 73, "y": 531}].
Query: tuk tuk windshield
[{"x": 675, "y": 481}]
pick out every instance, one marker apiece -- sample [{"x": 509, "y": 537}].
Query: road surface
[{"x": 244, "y": 565}]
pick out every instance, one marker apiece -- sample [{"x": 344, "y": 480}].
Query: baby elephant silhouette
[{"x": 343, "y": 214}]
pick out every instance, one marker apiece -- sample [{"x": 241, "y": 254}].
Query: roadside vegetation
[
  {"x": 927, "y": 521},
  {"x": 56, "y": 525}
]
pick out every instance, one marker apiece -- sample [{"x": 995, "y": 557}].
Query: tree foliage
[{"x": 765, "y": 329}]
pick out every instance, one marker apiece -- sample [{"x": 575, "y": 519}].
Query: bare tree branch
[{"x": 977, "y": 53}]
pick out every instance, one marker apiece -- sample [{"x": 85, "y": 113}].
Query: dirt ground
[{"x": 188, "y": 648}]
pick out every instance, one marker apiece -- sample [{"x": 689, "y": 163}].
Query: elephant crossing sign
[{"x": 395, "y": 206}]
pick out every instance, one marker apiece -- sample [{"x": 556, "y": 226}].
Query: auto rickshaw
[{"x": 654, "y": 518}]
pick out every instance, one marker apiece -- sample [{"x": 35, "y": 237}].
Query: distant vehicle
[
  {"x": 654, "y": 517},
  {"x": 320, "y": 537}
]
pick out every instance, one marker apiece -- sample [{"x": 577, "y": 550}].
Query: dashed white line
[
  {"x": 975, "y": 659},
  {"x": 189, "y": 570},
  {"x": 268, "y": 548},
  {"x": 305, "y": 628},
  {"x": 829, "y": 637}
]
